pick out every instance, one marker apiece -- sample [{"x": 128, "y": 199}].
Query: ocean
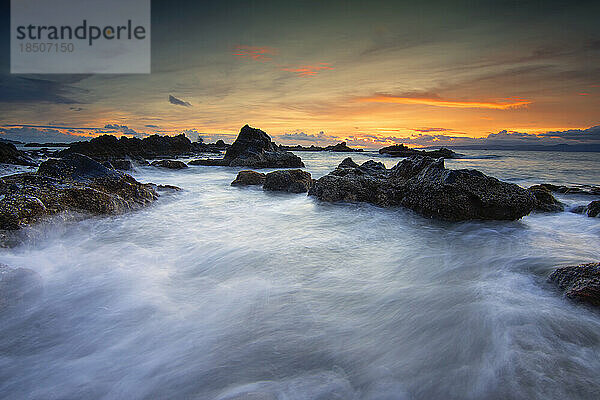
[{"x": 221, "y": 292}]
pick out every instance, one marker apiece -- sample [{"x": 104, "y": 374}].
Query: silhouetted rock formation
[
  {"x": 424, "y": 185},
  {"x": 169, "y": 164},
  {"x": 248, "y": 178},
  {"x": 108, "y": 147},
  {"x": 342, "y": 148},
  {"x": 73, "y": 183},
  {"x": 9, "y": 154},
  {"x": 544, "y": 200},
  {"x": 288, "y": 180},
  {"x": 400, "y": 150},
  {"x": 579, "y": 282},
  {"x": 254, "y": 148}
]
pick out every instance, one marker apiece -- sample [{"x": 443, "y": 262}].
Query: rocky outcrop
[
  {"x": 581, "y": 189},
  {"x": 248, "y": 178},
  {"x": 9, "y": 154},
  {"x": 400, "y": 150},
  {"x": 108, "y": 147},
  {"x": 73, "y": 183},
  {"x": 579, "y": 282},
  {"x": 254, "y": 148},
  {"x": 424, "y": 185},
  {"x": 342, "y": 148},
  {"x": 169, "y": 164},
  {"x": 544, "y": 200},
  {"x": 122, "y": 165},
  {"x": 288, "y": 180}
]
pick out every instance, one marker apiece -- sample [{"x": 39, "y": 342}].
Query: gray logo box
[{"x": 80, "y": 36}]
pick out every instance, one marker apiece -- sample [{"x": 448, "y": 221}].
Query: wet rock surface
[
  {"x": 248, "y": 178},
  {"x": 74, "y": 183},
  {"x": 9, "y": 154},
  {"x": 424, "y": 185},
  {"x": 169, "y": 164},
  {"x": 544, "y": 200},
  {"x": 254, "y": 148},
  {"x": 291, "y": 180},
  {"x": 579, "y": 282}
]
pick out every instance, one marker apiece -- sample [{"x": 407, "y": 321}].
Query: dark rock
[
  {"x": 288, "y": 180},
  {"x": 544, "y": 200},
  {"x": 348, "y": 163},
  {"x": 579, "y": 282},
  {"x": 400, "y": 150},
  {"x": 593, "y": 209},
  {"x": 581, "y": 189},
  {"x": 210, "y": 162},
  {"x": 170, "y": 164},
  {"x": 18, "y": 285},
  {"x": 424, "y": 185},
  {"x": 254, "y": 148},
  {"x": 342, "y": 148},
  {"x": 122, "y": 165},
  {"x": 108, "y": 147},
  {"x": 247, "y": 178},
  {"x": 10, "y": 155},
  {"x": 74, "y": 183},
  {"x": 302, "y": 148}
]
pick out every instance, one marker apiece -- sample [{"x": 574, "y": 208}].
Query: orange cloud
[
  {"x": 433, "y": 101},
  {"x": 259, "y": 53},
  {"x": 308, "y": 70}
]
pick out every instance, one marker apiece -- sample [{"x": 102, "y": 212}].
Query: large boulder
[
  {"x": 579, "y": 282},
  {"x": 544, "y": 200},
  {"x": 169, "y": 164},
  {"x": 9, "y": 154},
  {"x": 424, "y": 185},
  {"x": 75, "y": 183},
  {"x": 248, "y": 178},
  {"x": 288, "y": 180},
  {"x": 400, "y": 150},
  {"x": 254, "y": 148}
]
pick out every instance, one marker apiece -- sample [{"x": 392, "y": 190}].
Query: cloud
[
  {"x": 192, "y": 134},
  {"x": 124, "y": 129},
  {"x": 39, "y": 135},
  {"x": 18, "y": 89},
  {"x": 308, "y": 70},
  {"x": 152, "y": 126},
  {"x": 582, "y": 135},
  {"x": 305, "y": 136},
  {"x": 178, "y": 102},
  {"x": 425, "y": 130},
  {"x": 439, "y": 102},
  {"x": 258, "y": 53}
]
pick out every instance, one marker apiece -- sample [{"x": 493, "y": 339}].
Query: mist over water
[{"x": 219, "y": 292}]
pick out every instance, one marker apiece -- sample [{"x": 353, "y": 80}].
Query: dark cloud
[
  {"x": 21, "y": 89},
  {"x": 582, "y": 135},
  {"x": 178, "y": 102},
  {"x": 124, "y": 129},
  {"x": 151, "y": 126},
  {"x": 39, "y": 135}
]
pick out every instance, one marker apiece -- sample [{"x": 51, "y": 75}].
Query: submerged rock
[
  {"x": 544, "y": 200},
  {"x": 579, "y": 282},
  {"x": 424, "y": 185},
  {"x": 254, "y": 148},
  {"x": 18, "y": 285},
  {"x": 400, "y": 150},
  {"x": 248, "y": 178},
  {"x": 74, "y": 183},
  {"x": 169, "y": 164},
  {"x": 9, "y": 154},
  {"x": 288, "y": 180},
  {"x": 591, "y": 210}
]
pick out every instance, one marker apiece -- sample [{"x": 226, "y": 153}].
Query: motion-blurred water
[{"x": 218, "y": 292}]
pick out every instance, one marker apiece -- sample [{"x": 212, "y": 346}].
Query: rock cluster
[
  {"x": 400, "y": 150},
  {"x": 424, "y": 185},
  {"x": 254, "y": 148}
]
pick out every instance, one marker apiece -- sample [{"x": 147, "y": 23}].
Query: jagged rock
[
  {"x": 400, "y": 150},
  {"x": 254, "y": 148},
  {"x": 579, "y": 282},
  {"x": 170, "y": 164},
  {"x": 9, "y": 154},
  {"x": 544, "y": 200},
  {"x": 288, "y": 180},
  {"x": 593, "y": 209},
  {"x": 348, "y": 163},
  {"x": 108, "y": 147},
  {"x": 18, "y": 285},
  {"x": 74, "y": 183},
  {"x": 247, "y": 178},
  {"x": 424, "y": 185}
]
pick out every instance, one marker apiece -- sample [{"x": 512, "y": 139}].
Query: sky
[{"x": 372, "y": 73}]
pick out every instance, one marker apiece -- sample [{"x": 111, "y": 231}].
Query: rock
[
  {"x": 10, "y": 155},
  {"x": 288, "y": 180},
  {"x": 246, "y": 178},
  {"x": 348, "y": 163},
  {"x": 579, "y": 282},
  {"x": 74, "y": 183},
  {"x": 122, "y": 165},
  {"x": 342, "y": 148},
  {"x": 581, "y": 189},
  {"x": 424, "y": 185},
  {"x": 254, "y": 148},
  {"x": 400, "y": 150},
  {"x": 108, "y": 147},
  {"x": 544, "y": 200},
  {"x": 210, "y": 162},
  {"x": 593, "y": 209},
  {"x": 170, "y": 164},
  {"x": 18, "y": 285}
]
